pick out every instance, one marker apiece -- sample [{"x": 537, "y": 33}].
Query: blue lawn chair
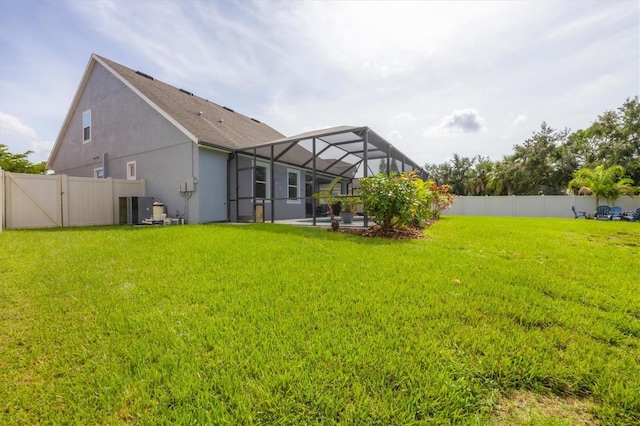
[
  {"x": 632, "y": 217},
  {"x": 615, "y": 212},
  {"x": 603, "y": 213},
  {"x": 577, "y": 214}
]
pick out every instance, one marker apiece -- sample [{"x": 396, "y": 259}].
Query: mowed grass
[{"x": 273, "y": 324}]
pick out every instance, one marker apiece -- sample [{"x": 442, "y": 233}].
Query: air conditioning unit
[{"x": 133, "y": 210}]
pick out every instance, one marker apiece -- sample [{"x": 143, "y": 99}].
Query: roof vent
[
  {"x": 199, "y": 113},
  {"x": 255, "y": 120},
  {"x": 144, "y": 75},
  {"x": 228, "y": 109},
  {"x": 187, "y": 92},
  {"x": 221, "y": 121}
]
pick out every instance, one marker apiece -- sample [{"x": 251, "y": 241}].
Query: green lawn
[{"x": 270, "y": 324}]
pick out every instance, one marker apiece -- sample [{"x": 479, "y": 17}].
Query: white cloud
[
  {"x": 13, "y": 125},
  {"x": 518, "y": 120},
  {"x": 41, "y": 150},
  {"x": 394, "y": 136},
  {"x": 397, "y": 67},
  {"x": 402, "y": 118},
  {"x": 465, "y": 120},
  {"x": 21, "y": 138}
]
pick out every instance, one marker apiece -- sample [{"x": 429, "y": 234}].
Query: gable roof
[
  {"x": 199, "y": 119},
  {"x": 340, "y": 150},
  {"x": 234, "y": 132}
]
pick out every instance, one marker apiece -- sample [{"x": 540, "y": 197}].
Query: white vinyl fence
[
  {"x": 532, "y": 205},
  {"x": 39, "y": 201}
]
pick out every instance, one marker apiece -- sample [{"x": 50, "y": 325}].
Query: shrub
[
  {"x": 388, "y": 200},
  {"x": 442, "y": 198},
  {"x": 350, "y": 204},
  {"x": 398, "y": 201}
]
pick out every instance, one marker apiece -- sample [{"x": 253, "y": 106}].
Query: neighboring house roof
[{"x": 196, "y": 117}]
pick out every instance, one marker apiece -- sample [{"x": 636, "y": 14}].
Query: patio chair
[
  {"x": 603, "y": 213},
  {"x": 577, "y": 214},
  {"x": 615, "y": 212},
  {"x": 631, "y": 216}
]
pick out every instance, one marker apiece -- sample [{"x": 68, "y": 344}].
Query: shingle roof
[
  {"x": 199, "y": 116},
  {"x": 339, "y": 149}
]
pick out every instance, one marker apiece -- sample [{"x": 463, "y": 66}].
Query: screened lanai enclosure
[{"x": 277, "y": 180}]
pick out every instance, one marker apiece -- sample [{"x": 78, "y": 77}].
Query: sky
[{"x": 432, "y": 77}]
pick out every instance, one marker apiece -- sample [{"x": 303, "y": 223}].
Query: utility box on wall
[{"x": 133, "y": 210}]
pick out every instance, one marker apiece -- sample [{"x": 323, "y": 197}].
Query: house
[{"x": 204, "y": 161}]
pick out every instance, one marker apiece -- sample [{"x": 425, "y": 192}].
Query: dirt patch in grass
[{"x": 524, "y": 408}]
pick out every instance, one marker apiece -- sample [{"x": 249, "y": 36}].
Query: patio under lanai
[{"x": 273, "y": 181}]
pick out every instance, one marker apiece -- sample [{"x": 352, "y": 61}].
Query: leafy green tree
[
  {"x": 479, "y": 176},
  {"x": 613, "y": 139},
  {"x": 504, "y": 176},
  {"x": 608, "y": 183},
  {"x": 455, "y": 172},
  {"x": 328, "y": 196},
  {"x": 439, "y": 173},
  {"x": 460, "y": 168},
  {"x": 538, "y": 157},
  {"x": 19, "y": 163},
  {"x": 546, "y": 162}
]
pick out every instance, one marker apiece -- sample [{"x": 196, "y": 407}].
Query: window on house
[
  {"x": 131, "y": 170},
  {"x": 293, "y": 186},
  {"x": 86, "y": 126},
  {"x": 261, "y": 181},
  {"x": 98, "y": 173}
]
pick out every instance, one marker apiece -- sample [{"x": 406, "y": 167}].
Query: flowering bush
[
  {"x": 396, "y": 201},
  {"x": 387, "y": 199}
]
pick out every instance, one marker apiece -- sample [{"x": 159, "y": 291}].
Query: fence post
[
  {"x": 110, "y": 201},
  {"x": 63, "y": 182}
]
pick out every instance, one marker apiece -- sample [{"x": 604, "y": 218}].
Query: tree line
[
  {"x": 19, "y": 163},
  {"x": 547, "y": 162}
]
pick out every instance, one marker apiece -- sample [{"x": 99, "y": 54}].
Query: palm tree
[
  {"x": 608, "y": 183},
  {"x": 327, "y": 196}
]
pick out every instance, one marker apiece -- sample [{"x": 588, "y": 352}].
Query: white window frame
[
  {"x": 297, "y": 199},
  {"x": 86, "y": 113},
  {"x": 97, "y": 172},
  {"x": 268, "y": 182},
  {"x": 132, "y": 176}
]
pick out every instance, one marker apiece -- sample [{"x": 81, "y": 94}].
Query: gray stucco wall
[
  {"x": 125, "y": 128},
  {"x": 284, "y": 209}
]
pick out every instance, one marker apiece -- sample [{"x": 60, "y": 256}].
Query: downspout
[
  {"x": 253, "y": 182},
  {"x": 273, "y": 187},
  {"x": 237, "y": 187},
  {"x": 229, "y": 158},
  {"x": 105, "y": 172}
]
